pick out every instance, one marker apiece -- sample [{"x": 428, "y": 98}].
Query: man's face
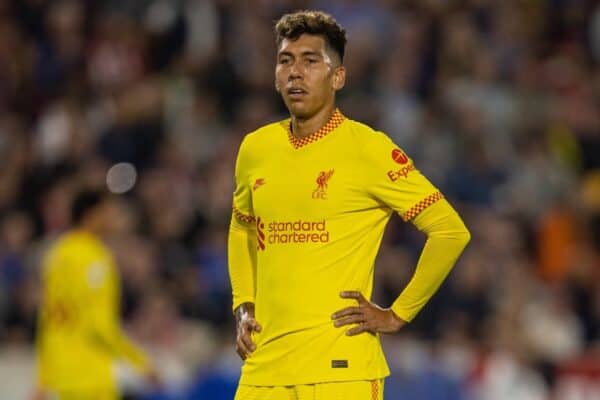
[{"x": 307, "y": 75}]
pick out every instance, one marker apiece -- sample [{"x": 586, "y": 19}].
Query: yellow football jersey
[
  {"x": 310, "y": 214},
  {"x": 79, "y": 335}
]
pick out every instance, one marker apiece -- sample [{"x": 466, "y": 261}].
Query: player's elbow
[
  {"x": 464, "y": 236},
  {"x": 451, "y": 228},
  {"x": 460, "y": 232}
]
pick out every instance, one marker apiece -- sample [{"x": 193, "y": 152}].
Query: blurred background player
[{"x": 80, "y": 338}]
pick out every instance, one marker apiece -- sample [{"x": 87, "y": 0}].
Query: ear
[
  {"x": 277, "y": 88},
  {"x": 339, "y": 78}
]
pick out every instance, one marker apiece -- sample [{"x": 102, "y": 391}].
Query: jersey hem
[{"x": 259, "y": 382}]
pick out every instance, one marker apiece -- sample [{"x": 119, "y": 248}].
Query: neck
[
  {"x": 89, "y": 228},
  {"x": 302, "y": 127}
]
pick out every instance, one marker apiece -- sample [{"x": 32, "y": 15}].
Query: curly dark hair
[
  {"x": 86, "y": 201},
  {"x": 291, "y": 26}
]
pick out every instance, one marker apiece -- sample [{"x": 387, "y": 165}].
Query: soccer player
[
  {"x": 80, "y": 338},
  {"x": 313, "y": 195}
]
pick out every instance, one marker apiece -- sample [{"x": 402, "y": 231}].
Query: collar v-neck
[{"x": 336, "y": 119}]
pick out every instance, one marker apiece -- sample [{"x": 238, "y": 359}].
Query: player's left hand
[{"x": 369, "y": 316}]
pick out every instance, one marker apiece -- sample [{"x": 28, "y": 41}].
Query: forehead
[{"x": 305, "y": 42}]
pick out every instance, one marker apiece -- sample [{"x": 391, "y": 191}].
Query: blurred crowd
[{"x": 498, "y": 103}]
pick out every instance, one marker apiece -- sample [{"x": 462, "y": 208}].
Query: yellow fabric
[
  {"x": 79, "y": 334},
  {"x": 352, "y": 390},
  {"x": 86, "y": 395},
  {"x": 447, "y": 236},
  {"x": 241, "y": 250},
  {"x": 313, "y": 216}
]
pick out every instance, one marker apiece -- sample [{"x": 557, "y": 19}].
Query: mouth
[{"x": 296, "y": 93}]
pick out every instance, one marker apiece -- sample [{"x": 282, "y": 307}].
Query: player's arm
[
  {"x": 102, "y": 311},
  {"x": 392, "y": 178},
  {"x": 447, "y": 236},
  {"x": 50, "y": 259},
  {"x": 241, "y": 255},
  {"x": 241, "y": 252}
]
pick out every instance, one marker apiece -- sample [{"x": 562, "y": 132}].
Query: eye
[
  {"x": 284, "y": 61},
  {"x": 312, "y": 60}
]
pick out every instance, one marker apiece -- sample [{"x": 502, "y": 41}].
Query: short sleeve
[
  {"x": 242, "y": 197},
  {"x": 392, "y": 178}
]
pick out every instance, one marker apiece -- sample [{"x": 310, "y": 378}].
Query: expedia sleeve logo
[
  {"x": 401, "y": 158},
  {"x": 400, "y": 173},
  {"x": 290, "y": 232}
]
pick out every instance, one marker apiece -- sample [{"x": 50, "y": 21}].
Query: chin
[{"x": 299, "y": 110}]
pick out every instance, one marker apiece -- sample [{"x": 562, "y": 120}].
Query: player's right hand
[{"x": 246, "y": 324}]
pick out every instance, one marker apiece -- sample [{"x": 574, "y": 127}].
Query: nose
[{"x": 295, "y": 72}]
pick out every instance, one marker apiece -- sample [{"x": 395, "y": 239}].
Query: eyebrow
[{"x": 303, "y": 54}]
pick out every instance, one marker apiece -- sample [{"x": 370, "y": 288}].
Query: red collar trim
[{"x": 336, "y": 119}]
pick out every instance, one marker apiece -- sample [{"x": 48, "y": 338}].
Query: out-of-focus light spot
[{"x": 121, "y": 178}]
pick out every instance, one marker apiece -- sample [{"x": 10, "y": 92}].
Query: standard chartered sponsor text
[{"x": 298, "y": 232}]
